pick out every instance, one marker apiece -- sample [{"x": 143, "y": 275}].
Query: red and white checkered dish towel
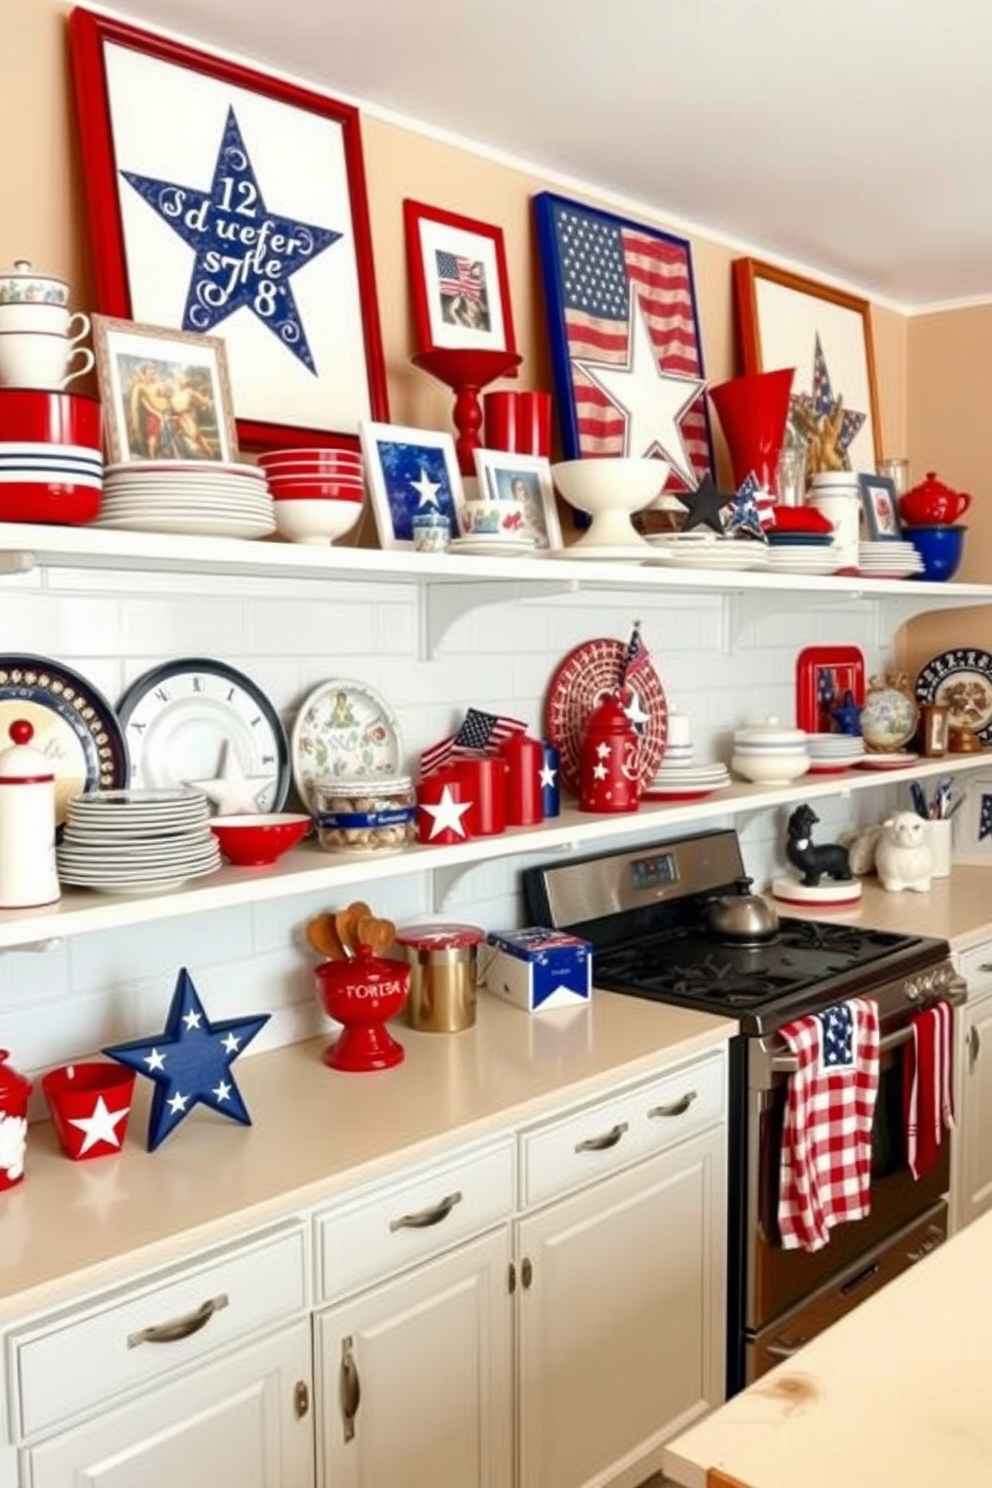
[{"x": 825, "y": 1176}]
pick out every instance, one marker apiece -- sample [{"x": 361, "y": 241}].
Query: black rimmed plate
[
  {"x": 75, "y": 727},
  {"x": 960, "y": 680}
]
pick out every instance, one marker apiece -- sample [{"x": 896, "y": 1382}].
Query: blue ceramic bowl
[{"x": 940, "y": 548}]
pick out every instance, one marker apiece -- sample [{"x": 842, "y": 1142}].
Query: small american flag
[
  {"x": 825, "y": 1172},
  {"x": 480, "y": 733},
  {"x": 601, "y": 262},
  {"x": 635, "y": 658},
  {"x": 459, "y": 276}
]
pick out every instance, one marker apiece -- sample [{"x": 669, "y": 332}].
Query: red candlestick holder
[{"x": 467, "y": 370}]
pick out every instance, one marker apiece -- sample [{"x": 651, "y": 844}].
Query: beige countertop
[
  {"x": 895, "y": 1393},
  {"x": 71, "y": 1226},
  {"x": 958, "y": 908}
]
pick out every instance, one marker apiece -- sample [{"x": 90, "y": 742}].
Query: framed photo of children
[
  {"x": 881, "y": 509},
  {"x": 166, "y": 394},
  {"x": 524, "y": 484},
  {"x": 458, "y": 281},
  {"x": 409, "y": 472},
  {"x": 229, "y": 202}
]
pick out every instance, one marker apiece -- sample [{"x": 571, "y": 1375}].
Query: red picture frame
[
  {"x": 825, "y": 675},
  {"x": 317, "y": 392},
  {"x": 459, "y": 286}
]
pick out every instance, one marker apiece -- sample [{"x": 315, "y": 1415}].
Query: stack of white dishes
[
  {"x": 813, "y": 557},
  {"x": 830, "y": 753},
  {"x": 494, "y": 545},
  {"x": 685, "y": 782},
  {"x": 201, "y": 498},
  {"x": 136, "y": 841},
  {"x": 891, "y": 559},
  {"x": 708, "y": 550}
]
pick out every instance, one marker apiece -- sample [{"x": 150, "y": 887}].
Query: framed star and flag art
[
  {"x": 228, "y": 203},
  {"x": 625, "y": 345},
  {"x": 786, "y": 320}
]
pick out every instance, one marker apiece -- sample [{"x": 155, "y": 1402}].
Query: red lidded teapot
[
  {"x": 609, "y": 771},
  {"x": 932, "y": 504}
]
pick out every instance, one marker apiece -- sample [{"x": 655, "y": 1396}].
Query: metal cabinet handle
[
  {"x": 349, "y": 1388},
  {"x": 986, "y": 966},
  {"x": 974, "y": 1045},
  {"x": 676, "y": 1108},
  {"x": 603, "y": 1143},
  {"x": 179, "y": 1328},
  {"x": 782, "y": 1350},
  {"x": 424, "y": 1218}
]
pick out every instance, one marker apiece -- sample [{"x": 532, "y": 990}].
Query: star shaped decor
[
  {"x": 190, "y": 1062},
  {"x": 704, "y": 505},
  {"x": 744, "y": 517},
  {"x": 426, "y": 489},
  {"x": 101, "y": 1126},
  {"x": 446, "y": 814},
  {"x": 823, "y": 421},
  {"x": 244, "y": 255},
  {"x": 233, "y": 792},
  {"x": 652, "y": 402}
]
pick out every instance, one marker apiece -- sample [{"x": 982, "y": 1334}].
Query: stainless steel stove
[{"x": 646, "y": 914}]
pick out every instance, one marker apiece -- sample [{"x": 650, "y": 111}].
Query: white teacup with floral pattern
[{"x": 496, "y": 519}]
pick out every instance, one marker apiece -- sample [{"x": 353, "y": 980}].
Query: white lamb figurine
[{"x": 903, "y": 859}]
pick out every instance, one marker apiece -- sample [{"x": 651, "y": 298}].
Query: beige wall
[{"x": 938, "y": 365}]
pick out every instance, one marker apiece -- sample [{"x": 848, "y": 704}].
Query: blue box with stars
[{"x": 537, "y": 969}]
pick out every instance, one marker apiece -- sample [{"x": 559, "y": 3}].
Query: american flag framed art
[
  {"x": 625, "y": 344},
  {"x": 458, "y": 281},
  {"x": 786, "y": 320}
]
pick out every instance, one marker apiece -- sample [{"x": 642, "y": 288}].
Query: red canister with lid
[
  {"x": 442, "y": 961},
  {"x": 609, "y": 777},
  {"x": 485, "y": 784},
  {"x": 14, "y": 1091},
  {"x": 524, "y": 759}
]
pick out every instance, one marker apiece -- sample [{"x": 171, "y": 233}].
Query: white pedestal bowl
[{"x": 610, "y": 490}]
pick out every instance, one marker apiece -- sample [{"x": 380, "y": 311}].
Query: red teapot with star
[{"x": 609, "y": 760}]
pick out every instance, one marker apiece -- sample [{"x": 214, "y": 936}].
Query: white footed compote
[{"x": 610, "y": 490}]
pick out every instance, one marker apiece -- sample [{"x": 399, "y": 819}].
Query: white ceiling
[{"x": 853, "y": 138}]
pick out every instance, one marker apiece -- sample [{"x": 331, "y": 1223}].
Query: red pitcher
[{"x": 609, "y": 771}]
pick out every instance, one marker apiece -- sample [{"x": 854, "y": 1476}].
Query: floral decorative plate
[
  {"x": 584, "y": 678},
  {"x": 960, "y": 680},
  {"x": 344, "y": 729}
]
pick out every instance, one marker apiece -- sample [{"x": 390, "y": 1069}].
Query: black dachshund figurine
[{"x": 813, "y": 862}]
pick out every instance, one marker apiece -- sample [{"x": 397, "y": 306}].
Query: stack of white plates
[
  {"x": 495, "y": 545},
  {"x": 686, "y": 782},
  {"x": 701, "y": 550},
  {"x": 805, "y": 558},
  {"x": 197, "y": 497},
  {"x": 136, "y": 841},
  {"x": 834, "y": 752},
  {"x": 893, "y": 559}
]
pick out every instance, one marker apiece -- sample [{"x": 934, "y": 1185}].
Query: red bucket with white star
[{"x": 89, "y": 1104}]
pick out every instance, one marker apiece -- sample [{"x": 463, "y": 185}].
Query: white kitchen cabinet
[
  {"x": 243, "y": 1420},
  {"x": 971, "y": 1177}
]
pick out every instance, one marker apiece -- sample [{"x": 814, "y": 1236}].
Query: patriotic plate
[
  {"x": 584, "y": 678},
  {"x": 960, "y": 680},
  {"x": 344, "y": 729}
]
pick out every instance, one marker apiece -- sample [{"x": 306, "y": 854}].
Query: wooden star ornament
[{"x": 704, "y": 506}]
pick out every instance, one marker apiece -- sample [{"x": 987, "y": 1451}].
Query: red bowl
[
  {"x": 316, "y": 490},
  {"x": 317, "y": 454},
  {"x": 801, "y": 519},
  {"x": 97, "y": 1094},
  {"x": 51, "y": 416},
  {"x": 257, "y": 841},
  {"x": 49, "y": 502}
]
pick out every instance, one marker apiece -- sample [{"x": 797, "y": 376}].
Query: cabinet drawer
[
  {"x": 398, "y": 1224},
  {"x": 975, "y": 965},
  {"x": 71, "y": 1362},
  {"x": 622, "y": 1128}
]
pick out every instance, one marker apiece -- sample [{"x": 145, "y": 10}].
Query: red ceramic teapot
[{"x": 932, "y": 504}]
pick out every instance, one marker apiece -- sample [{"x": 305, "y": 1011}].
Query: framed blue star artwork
[
  {"x": 409, "y": 472},
  {"x": 786, "y": 320},
  {"x": 225, "y": 202},
  {"x": 971, "y": 830},
  {"x": 625, "y": 344},
  {"x": 190, "y": 1062}
]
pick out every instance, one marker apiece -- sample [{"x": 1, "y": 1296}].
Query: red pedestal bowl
[{"x": 362, "y": 995}]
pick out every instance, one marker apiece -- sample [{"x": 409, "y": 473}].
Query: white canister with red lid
[{"x": 28, "y": 874}]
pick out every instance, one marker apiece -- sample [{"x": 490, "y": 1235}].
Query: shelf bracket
[
  {"x": 446, "y": 602},
  {"x": 17, "y": 560}
]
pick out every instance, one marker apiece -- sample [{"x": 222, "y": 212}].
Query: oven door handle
[{"x": 786, "y": 1063}]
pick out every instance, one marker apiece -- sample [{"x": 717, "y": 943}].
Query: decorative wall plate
[
  {"x": 343, "y": 729},
  {"x": 199, "y": 722},
  {"x": 960, "y": 680},
  {"x": 584, "y": 678},
  {"x": 824, "y": 676},
  {"x": 74, "y": 725}
]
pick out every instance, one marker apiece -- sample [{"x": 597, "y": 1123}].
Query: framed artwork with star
[
  {"x": 459, "y": 286},
  {"x": 409, "y": 471},
  {"x": 786, "y": 320},
  {"x": 625, "y": 345},
  {"x": 226, "y": 202}
]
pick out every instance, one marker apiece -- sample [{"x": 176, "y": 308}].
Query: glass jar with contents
[{"x": 366, "y": 816}]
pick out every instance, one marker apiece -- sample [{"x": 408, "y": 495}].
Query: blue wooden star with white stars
[
  {"x": 190, "y": 1062},
  {"x": 245, "y": 255}
]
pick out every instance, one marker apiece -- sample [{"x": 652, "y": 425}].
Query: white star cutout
[
  {"x": 603, "y": 750},
  {"x": 600, "y": 772},
  {"x": 548, "y": 775},
  {"x": 651, "y": 401},
  {"x": 192, "y": 1019},
  {"x": 100, "y": 1127},
  {"x": 426, "y": 489},
  {"x": 448, "y": 814},
  {"x": 178, "y": 1102},
  {"x": 222, "y": 1091},
  {"x": 634, "y": 711},
  {"x": 155, "y": 1060},
  {"x": 233, "y": 792},
  {"x": 230, "y": 1044}
]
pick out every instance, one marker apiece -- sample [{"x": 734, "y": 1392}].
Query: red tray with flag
[{"x": 584, "y": 678}]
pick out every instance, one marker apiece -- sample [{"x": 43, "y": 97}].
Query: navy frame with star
[
  {"x": 972, "y": 823},
  {"x": 355, "y": 385}
]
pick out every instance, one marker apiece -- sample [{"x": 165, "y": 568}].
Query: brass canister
[{"x": 442, "y": 975}]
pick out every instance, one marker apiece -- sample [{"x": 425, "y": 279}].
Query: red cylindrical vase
[
  {"x": 524, "y": 761},
  {"x": 753, "y": 411},
  {"x": 517, "y": 421},
  {"x": 443, "y": 802},
  {"x": 485, "y": 780}
]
